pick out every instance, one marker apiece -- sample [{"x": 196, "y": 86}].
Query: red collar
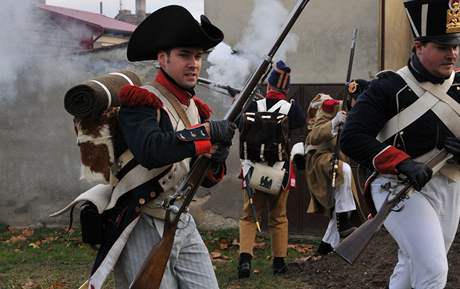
[
  {"x": 182, "y": 95},
  {"x": 276, "y": 95}
]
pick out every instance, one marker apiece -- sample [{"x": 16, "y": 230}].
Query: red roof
[{"x": 93, "y": 18}]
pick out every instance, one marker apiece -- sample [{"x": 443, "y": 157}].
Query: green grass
[{"x": 54, "y": 259}]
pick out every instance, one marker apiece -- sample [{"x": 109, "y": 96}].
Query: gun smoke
[
  {"x": 38, "y": 53},
  {"x": 234, "y": 67}
]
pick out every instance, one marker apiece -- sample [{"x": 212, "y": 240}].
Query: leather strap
[{"x": 174, "y": 102}]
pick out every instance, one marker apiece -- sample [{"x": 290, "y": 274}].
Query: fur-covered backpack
[{"x": 94, "y": 105}]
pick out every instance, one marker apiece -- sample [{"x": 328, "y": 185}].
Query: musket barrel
[
  {"x": 246, "y": 93},
  {"x": 352, "y": 55}
]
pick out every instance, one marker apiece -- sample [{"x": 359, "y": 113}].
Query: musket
[
  {"x": 353, "y": 245},
  {"x": 250, "y": 193},
  {"x": 336, "y": 155},
  {"x": 151, "y": 272},
  {"x": 231, "y": 91},
  {"x": 352, "y": 54}
]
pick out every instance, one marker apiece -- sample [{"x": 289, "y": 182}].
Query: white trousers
[
  {"x": 424, "y": 230},
  {"x": 189, "y": 266},
  {"x": 344, "y": 202}
]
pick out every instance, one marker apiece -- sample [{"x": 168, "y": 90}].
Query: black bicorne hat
[
  {"x": 169, "y": 27},
  {"x": 435, "y": 20}
]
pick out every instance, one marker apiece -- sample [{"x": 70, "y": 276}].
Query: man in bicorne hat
[
  {"x": 397, "y": 125},
  {"x": 165, "y": 127}
]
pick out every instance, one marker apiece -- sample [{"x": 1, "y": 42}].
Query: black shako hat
[
  {"x": 435, "y": 20},
  {"x": 169, "y": 27}
]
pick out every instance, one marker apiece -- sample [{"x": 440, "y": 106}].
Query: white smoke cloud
[
  {"x": 228, "y": 68},
  {"x": 37, "y": 51},
  {"x": 266, "y": 21}
]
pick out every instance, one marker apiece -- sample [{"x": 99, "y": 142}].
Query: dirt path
[{"x": 371, "y": 270}]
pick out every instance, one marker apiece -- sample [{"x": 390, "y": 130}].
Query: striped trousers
[{"x": 189, "y": 266}]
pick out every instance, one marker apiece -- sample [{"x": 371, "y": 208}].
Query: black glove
[
  {"x": 222, "y": 132},
  {"x": 452, "y": 145},
  {"x": 418, "y": 173},
  {"x": 299, "y": 162},
  {"x": 221, "y": 153}
]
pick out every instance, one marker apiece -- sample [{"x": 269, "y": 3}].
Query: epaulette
[
  {"x": 385, "y": 74},
  {"x": 203, "y": 109},
  {"x": 131, "y": 95}
]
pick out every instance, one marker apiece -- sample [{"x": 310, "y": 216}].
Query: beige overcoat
[{"x": 320, "y": 145}]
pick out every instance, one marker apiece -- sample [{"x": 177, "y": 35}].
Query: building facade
[{"x": 325, "y": 29}]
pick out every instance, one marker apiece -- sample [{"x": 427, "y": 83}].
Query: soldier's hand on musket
[
  {"x": 339, "y": 119},
  {"x": 219, "y": 153},
  {"x": 221, "y": 131},
  {"x": 418, "y": 173},
  {"x": 452, "y": 145}
]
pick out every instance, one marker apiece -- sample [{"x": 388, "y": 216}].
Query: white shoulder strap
[
  {"x": 261, "y": 105},
  {"x": 430, "y": 97},
  {"x": 283, "y": 105}
]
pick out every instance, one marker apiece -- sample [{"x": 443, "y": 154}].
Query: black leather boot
[
  {"x": 244, "y": 266},
  {"x": 279, "y": 267},
  {"x": 344, "y": 225},
  {"x": 324, "y": 249}
]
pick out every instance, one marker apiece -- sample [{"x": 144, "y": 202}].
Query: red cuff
[
  {"x": 202, "y": 146},
  {"x": 385, "y": 161}
]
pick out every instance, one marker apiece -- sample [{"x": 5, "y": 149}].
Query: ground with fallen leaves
[
  {"x": 42, "y": 259},
  {"x": 55, "y": 259},
  {"x": 370, "y": 271}
]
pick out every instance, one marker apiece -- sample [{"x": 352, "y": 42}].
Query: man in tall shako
[
  {"x": 326, "y": 116},
  {"x": 165, "y": 127},
  {"x": 265, "y": 130},
  {"x": 398, "y": 124}
]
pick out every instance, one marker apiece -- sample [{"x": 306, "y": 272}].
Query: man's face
[
  {"x": 182, "y": 64},
  {"x": 438, "y": 59}
]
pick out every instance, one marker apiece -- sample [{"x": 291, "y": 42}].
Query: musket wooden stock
[
  {"x": 352, "y": 246},
  {"x": 151, "y": 273}
]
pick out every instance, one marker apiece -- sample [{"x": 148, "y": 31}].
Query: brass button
[
  {"x": 153, "y": 194},
  {"x": 141, "y": 201}
]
